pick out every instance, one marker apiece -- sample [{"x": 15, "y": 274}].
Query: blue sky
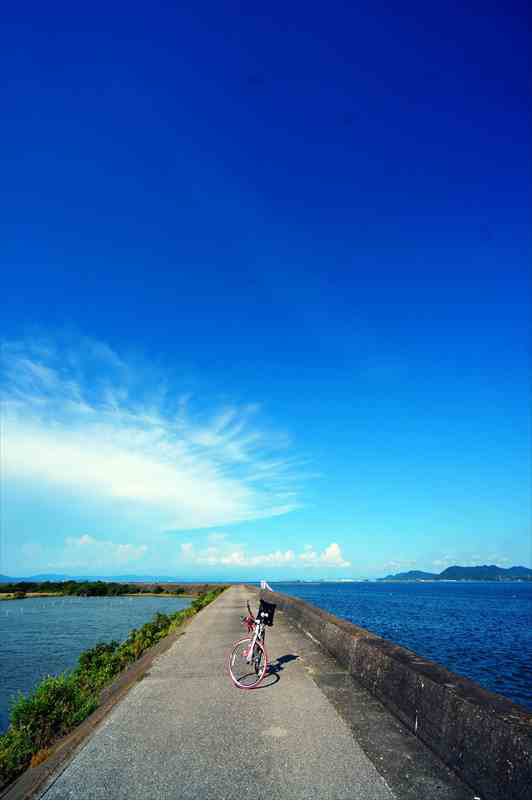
[{"x": 266, "y": 289}]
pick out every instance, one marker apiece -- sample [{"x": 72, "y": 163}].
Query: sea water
[{"x": 42, "y": 636}]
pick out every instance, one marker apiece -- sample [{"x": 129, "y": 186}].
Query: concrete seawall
[{"x": 482, "y": 736}]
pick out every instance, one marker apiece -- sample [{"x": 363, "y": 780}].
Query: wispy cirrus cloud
[{"x": 80, "y": 416}]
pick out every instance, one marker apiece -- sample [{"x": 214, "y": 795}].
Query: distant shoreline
[
  {"x": 452, "y": 580},
  {"x": 11, "y": 596},
  {"x": 22, "y": 590}
]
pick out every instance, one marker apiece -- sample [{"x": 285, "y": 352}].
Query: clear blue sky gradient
[{"x": 318, "y": 212}]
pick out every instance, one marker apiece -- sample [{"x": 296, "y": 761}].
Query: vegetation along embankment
[
  {"x": 22, "y": 589},
  {"x": 61, "y": 702}
]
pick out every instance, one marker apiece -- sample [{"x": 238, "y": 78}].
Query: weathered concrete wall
[{"x": 484, "y": 737}]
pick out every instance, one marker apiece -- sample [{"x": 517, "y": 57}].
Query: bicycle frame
[
  {"x": 258, "y": 636},
  {"x": 258, "y": 627}
]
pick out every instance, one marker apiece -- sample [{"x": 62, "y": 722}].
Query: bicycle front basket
[{"x": 267, "y": 609}]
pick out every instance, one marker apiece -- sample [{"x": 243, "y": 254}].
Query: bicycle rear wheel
[{"x": 247, "y": 670}]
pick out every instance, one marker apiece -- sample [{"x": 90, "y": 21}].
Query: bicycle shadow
[{"x": 272, "y": 675}]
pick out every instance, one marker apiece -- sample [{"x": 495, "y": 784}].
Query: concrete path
[{"x": 186, "y": 732}]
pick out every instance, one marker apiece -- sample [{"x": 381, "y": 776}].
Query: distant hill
[
  {"x": 34, "y": 578},
  {"x": 483, "y": 573},
  {"x": 413, "y": 575},
  {"x": 115, "y": 578},
  {"x": 519, "y": 572}
]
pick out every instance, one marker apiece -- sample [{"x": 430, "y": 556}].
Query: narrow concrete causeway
[{"x": 185, "y": 731}]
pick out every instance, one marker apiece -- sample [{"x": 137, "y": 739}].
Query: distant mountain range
[
  {"x": 484, "y": 573},
  {"x": 117, "y": 578}
]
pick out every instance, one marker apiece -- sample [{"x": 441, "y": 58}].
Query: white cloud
[
  {"x": 81, "y": 418},
  {"x": 309, "y": 554},
  {"x": 236, "y": 555},
  {"x": 331, "y": 556},
  {"x": 232, "y": 555}
]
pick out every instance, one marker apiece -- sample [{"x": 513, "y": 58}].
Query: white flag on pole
[{"x": 264, "y": 585}]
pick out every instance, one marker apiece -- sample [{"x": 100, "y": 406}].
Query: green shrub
[
  {"x": 98, "y": 655},
  {"x": 16, "y": 750},
  {"x": 56, "y": 706},
  {"x": 51, "y": 709},
  {"x": 205, "y": 598}
]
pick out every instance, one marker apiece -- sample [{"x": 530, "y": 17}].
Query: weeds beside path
[{"x": 61, "y": 702}]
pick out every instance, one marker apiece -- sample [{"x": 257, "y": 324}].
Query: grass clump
[
  {"x": 56, "y": 706},
  {"x": 61, "y": 702}
]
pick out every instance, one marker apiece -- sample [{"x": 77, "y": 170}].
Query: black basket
[{"x": 266, "y": 612}]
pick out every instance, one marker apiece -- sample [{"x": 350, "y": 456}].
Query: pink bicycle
[{"x": 248, "y": 662}]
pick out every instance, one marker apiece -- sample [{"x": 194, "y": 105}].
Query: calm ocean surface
[
  {"x": 480, "y": 630},
  {"x": 45, "y": 635}
]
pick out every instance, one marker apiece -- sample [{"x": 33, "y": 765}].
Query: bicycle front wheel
[{"x": 247, "y": 668}]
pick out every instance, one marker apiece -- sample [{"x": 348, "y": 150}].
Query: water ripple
[{"x": 480, "y": 630}]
